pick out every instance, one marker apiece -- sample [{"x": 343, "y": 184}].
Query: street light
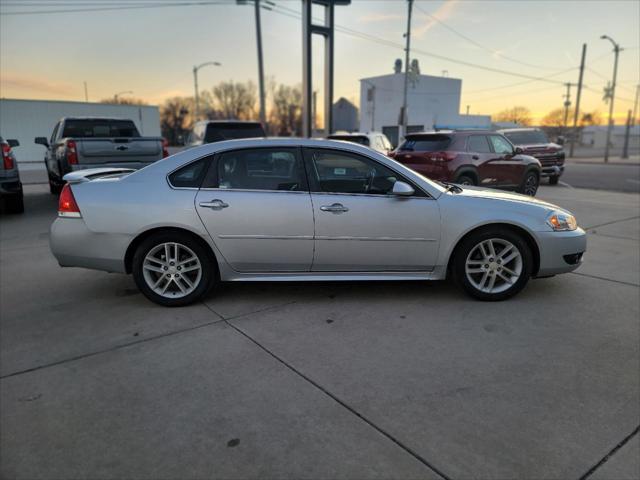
[
  {"x": 610, "y": 93},
  {"x": 115, "y": 97},
  {"x": 195, "y": 84}
]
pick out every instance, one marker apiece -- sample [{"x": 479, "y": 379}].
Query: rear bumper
[
  {"x": 560, "y": 252},
  {"x": 74, "y": 245},
  {"x": 10, "y": 186}
]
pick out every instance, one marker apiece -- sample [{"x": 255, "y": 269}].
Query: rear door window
[
  {"x": 478, "y": 144},
  {"x": 261, "y": 169}
]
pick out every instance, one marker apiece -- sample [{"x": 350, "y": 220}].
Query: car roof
[
  {"x": 449, "y": 132},
  {"x": 95, "y": 118},
  {"x": 226, "y": 122}
]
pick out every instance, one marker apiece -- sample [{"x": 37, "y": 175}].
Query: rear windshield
[
  {"x": 359, "y": 139},
  {"x": 216, "y": 132},
  {"x": 430, "y": 143},
  {"x": 96, "y": 128},
  {"x": 527, "y": 138}
]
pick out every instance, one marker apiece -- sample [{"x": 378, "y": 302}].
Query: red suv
[{"x": 470, "y": 157}]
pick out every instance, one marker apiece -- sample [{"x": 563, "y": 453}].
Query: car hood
[
  {"x": 477, "y": 192},
  {"x": 541, "y": 148}
]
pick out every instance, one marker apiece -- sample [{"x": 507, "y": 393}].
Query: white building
[
  {"x": 26, "y": 119},
  {"x": 596, "y": 136},
  {"x": 433, "y": 102}
]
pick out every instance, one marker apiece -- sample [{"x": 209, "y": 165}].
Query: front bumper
[
  {"x": 552, "y": 171},
  {"x": 560, "y": 252},
  {"x": 74, "y": 245}
]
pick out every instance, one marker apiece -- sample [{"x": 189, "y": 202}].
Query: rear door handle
[
  {"x": 475, "y": 157},
  {"x": 335, "y": 208},
  {"x": 215, "y": 204}
]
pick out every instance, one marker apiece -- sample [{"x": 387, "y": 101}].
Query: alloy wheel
[
  {"x": 172, "y": 270},
  {"x": 531, "y": 185},
  {"x": 494, "y": 265}
]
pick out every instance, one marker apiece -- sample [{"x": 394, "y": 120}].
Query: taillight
[
  {"x": 7, "y": 159},
  {"x": 72, "y": 152},
  {"x": 67, "y": 206},
  {"x": 165, "y": 151}
]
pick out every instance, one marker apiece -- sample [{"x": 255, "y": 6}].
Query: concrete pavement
[{"x": 331, "y": 380}]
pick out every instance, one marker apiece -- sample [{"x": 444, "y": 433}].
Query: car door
[
  {"x": 480, "y": 154},
  {"x": 256, "y": 206},
  {"x": 508, "y": 168},
  {"x": 360, "y": 225}
]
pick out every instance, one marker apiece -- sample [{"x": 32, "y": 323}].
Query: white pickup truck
[{"x": 92, "y": 142}]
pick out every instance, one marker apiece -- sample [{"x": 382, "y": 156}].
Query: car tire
[
  {"x": 180, "y": 278},
  {"x": 554, "y": 179},
  {"x": 530, "y": 183},
  {"x": 492, "y": 277},
  {"x": 465, "y": 180}
]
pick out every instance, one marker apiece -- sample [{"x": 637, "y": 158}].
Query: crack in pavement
[
  {"x": 605, "y": 279},
  {"x": 611, "y": 452},
  {"x": 341, "y": 402},
  {"x": 612, "y": 222}
]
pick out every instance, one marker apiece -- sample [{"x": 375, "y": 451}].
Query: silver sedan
[{"x": 296, "y": 209}]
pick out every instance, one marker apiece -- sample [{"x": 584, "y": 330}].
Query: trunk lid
[{"x": 118, "y": 150}]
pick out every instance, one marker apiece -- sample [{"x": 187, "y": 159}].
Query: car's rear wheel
[
  {"x": 173, "y": 269},
  {"x": 465, "y": 180},
  {"x": 493, "y": 264},
  {"x": 530, "y": 183},
  {"x": 554, "y": 179}
]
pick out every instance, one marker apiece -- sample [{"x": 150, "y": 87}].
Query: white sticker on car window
[{"x": 339, "y": 171}]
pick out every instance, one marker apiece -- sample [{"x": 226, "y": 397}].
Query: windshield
[
  {"x": 430, "y": 143},
  {"x": 99, "y": 128},
  {"x": 359, "y": 139},
  {"x": 532, "y": 137},
  {"x": 216, "y": 132}
]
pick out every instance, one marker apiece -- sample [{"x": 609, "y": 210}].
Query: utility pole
[
  {"x": 371, "y": 94},
  {"x": 314, "y": 112},
  {"x": 635, "y": 106},
  {"x": 625, "y": 150},
  {"x": 195, "y": 86},
  {"x": 263, "y": 115},
  {"x": 86, "y": 94},
  {"x": 567, "y": 104},
  {"x": 468, "y": 106},
  {"x": 611, "y": 94},
  {"x": 404, "y": 117},
  {"x": 577, "y": 111}
]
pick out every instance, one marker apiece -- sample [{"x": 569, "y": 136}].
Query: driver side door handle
[
  {"x": 334, "y": 208},
  {"x": 215, "y": 204}
]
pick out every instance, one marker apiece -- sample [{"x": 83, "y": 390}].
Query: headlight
[{"x": 562, "y": 221}]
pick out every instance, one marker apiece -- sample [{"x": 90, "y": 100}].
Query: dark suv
[
  {"x": 534, "y": 142},
  {"x": 470, "y": 157},
  {"x": 210, "y": 131}
]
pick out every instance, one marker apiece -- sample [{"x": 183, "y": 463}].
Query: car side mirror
[
  {"x": 402, "y": 189},
  {"x": 13, "y": 142},
  {"x": 518, "y": 150},
  {"x": 42, "y": 141}
]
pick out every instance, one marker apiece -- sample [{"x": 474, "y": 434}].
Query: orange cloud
[{"x": 35, "y": 84}]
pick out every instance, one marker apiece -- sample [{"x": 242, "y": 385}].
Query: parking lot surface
[{"x": 328, "y": 380}]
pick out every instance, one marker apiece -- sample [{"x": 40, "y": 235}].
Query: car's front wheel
[
  {"x": 493, "y": 264},
  {"x": 530, "y": 183},
  {"x": 554, "y": 179},
  {"x": 173, "y": 269}
]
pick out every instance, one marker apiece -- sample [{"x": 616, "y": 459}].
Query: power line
[
  {"x": 117, "y": 7},
  {"x": 479, "y": 45}
]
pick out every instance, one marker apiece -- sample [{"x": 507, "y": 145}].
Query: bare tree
[
  {"x": 520, "y": 115},
  {"x": 235, "y": 100},
  {"x": 555, "y": 118},
  {"x": 590, "y": 118},
  {"x": 285, "y": 118},
  {"x": 175, "y": 118}
]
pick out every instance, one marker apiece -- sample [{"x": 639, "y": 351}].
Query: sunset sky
[{"x": 150, "y": 47}]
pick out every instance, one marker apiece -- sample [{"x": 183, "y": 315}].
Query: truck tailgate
[{"x": 97, "y": 151}]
